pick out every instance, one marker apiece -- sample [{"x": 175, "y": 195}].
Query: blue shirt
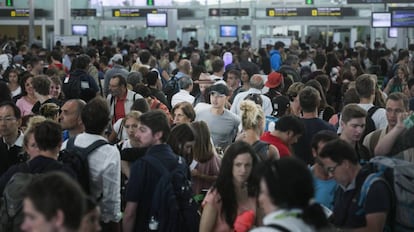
[{"x": 324, "y": 191}]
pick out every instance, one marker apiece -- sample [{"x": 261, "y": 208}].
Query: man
[
  {"x": 184, "y": 69},
  {"x": 35, "y": 66},
  {"x": 117, "y": 68},
  {"x": 233, "y": 81},
  {"x": 399, "y": 138},
  {"x": 353, "y": 124},
  {"x": 92, "y": 70},
  {"x": 120, "y": 98},
  {"x": 89, "y": 88},
  {"x": 41, "y": 85},
  {"x": 309, "y": 100},
  {"x": 276, "y": 55},
  {"x": 218, "y": 71},
  {"x": 256, "y": 86},
  {"x": 222, "y": 123},
  {"x": 153, "y": 131},
  {"x": 11, "y": 141},
  {"x": 244, "y": 62},
  {"x": 104, "y": 163},
  {"x": 70, "y": 118},
  {"x": 186, "y": 86},
  {"x": 324, "y": 184},
  {"x": 410, "y": 84},
  {"x": 396, "y": 104},
  {"x": 288, "y": 130},
  {"x": 365, "y": 87},
  {"x": 341, "y": 162},
  {"x": 48, "y": 139},
  {"x": 290, "y": 68},
  {"x": 53, "y": 202}
]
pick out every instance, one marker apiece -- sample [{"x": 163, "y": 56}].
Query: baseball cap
[
  {"x": 274, "y": 79},
  {"x": 219, "y": 89},
  {"x": 117, "y": 58}
]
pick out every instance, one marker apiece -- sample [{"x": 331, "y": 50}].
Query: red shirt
[
  {"x": 119, "y": 108},
  {"x": 277, "y": 142}
]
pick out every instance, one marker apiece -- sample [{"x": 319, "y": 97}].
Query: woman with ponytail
[{"x": 286, "y": 197}]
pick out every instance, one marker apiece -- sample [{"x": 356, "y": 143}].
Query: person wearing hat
[
  {"x": 222, "y": 123},
  {"x": 275, "y": 84},
  {"x": 256, "y": 86},
  {"x": 117, "y": 68}
]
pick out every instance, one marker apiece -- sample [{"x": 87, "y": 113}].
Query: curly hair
[{"x": 252, "y": 115}]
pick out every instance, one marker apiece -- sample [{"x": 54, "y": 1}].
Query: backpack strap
[
  {"x": 278, "y": 227},
  {"x": 87, "y": 150},
  {"x": 372, "y": 111}
]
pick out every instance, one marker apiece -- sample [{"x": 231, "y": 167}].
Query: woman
[
  {"x": 253, "y": 120},
  {"x": 286, "y": 193},
  {"x": 28, "y": 98},
  {"x": 56, "y": 88},
  {"x": 181, "y": 140},
  {"x": 183, "y": 112},
  {"x": 206, "y": 163},
  {"x": 119, "y": 132},
  {"x": 232, "y": 197},
  {"x": 293, "y": 94},
  {"x": 50, "y": 111},
  {"x": 399, "y": 82},
  {"x": 14, "y": 85}
]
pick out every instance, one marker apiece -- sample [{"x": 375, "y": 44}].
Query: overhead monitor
[
  {"x": 381, "y": 19},
  {"x": 228, "y": 30},
  {"x": 79, "y": 29},
  {"x": 392, "y": 32},
  {"x": 157, "y": 20},
  {"x": 402, "y": 17}
]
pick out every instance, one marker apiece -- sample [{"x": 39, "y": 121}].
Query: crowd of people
[{"x": 274, "y": 139}]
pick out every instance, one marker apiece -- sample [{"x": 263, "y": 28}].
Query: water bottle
[{"x": 153, "y": 224}]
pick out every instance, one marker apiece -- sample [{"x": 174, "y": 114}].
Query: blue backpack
[
  {"x": 399, "y": 176},
  {"x": 173, "y": 208}
]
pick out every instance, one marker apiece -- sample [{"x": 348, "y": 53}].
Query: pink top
[
  {"x": 210, "y": 168},
  {"x": 214, "y": 199},
  {"x": 24, "y": 106}
]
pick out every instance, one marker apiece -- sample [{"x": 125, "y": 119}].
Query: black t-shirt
[
  {"x": 143, "y": 180},
  {"x": 346, "y": 212}
]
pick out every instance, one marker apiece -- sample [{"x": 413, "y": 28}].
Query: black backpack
[
  {"x": 369, "y": 123},
  {"x": 76, "y": 158},
  {"x": 172, "y": 87},
  {"x": 173, "y": 207},
  {"x": 71, "y": 87}
]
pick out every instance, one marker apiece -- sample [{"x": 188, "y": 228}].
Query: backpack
[
  {"x": 305, "y": 71},
  {"x": 399, "y": 176},
  {"x": 172, "y": 87},
  {"x": 173, "y": 208},
  {"x": 261, "y": 148},
  {"x": 76, "y": 158},
  {"x": 11, "y": 215},
  {"x": 369, "y": 123},
  {"x": 71, "y": 87}
]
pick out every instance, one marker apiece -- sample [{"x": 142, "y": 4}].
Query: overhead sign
[
  {"x": 133, "y": 12},
  {"x": 228, "y": 12},
  {"x": 378, "y": 1},
  {"x": 83, "y": 12},
  {"x": 310, "y": 11}
]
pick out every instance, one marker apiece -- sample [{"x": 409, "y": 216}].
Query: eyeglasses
[
  {"x": 331, "y": 169},
  {"x": 8, "y": 119},
  {"x": 397, "y": 111}
]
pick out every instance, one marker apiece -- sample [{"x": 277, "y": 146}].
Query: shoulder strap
[
  {"x": 371, "y": 178},
  {"x": 135, "y": 94},
  {"x": 372, "y": 110},
  {"x": 278, "y": 227},
  {"x": 98, "y": 143},
  {"x": 87, "y": 150}
]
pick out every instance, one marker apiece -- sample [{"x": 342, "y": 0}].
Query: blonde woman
[{"x": 253, "y": 121}]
